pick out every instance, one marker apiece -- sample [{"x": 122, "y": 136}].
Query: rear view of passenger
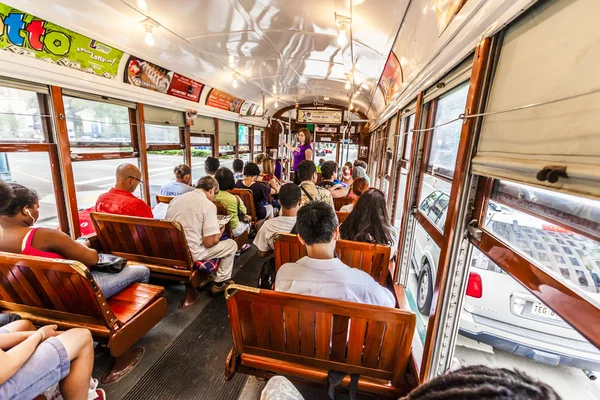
[
  {"x": 181, "y": 184},
  {"x": 320, "y": 273},
  {"x": 120, "y": 199},
  {"x": 359, "y": 186},
  {"x": 235, "y": 206},
  {"x": 260, "y": 191}
]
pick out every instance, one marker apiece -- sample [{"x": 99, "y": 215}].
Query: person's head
[
  {"x": 128, "y": 177},
  {"x": 251, "y": 170},
  {"x": 20, "y": 203},
  {"x": 346, "y": 171},
  {"x": 317, "y": 225},
  {"x": 321, "y": 161},
  {"x": 304, "y": 136},
  {"x": 348, "y": 164},
  {"x": 183, "y": 174},
  {"x": 238, "y": 165},
  {"x": 209, "y": 186},
  {"x": 6, "y": 196},
  {"x": 307, "y": 171},
  {"x": 329, "y": 170},
  {"x": 359, "y": 163},
  {"x": 359, "y": 186},
  {"x": 358, "y": 172},
  {"x": 483, "y": 383},
  {"x": 369, "y": 220},
  {"x": 267, "y": 166},
  {"x": 211, "y": 165},
  {"x": 258, "y": 159},
  {"x": 290, "y": 196},
  {"x": 225, "y": 178}
]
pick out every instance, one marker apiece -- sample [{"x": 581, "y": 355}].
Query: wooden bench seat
[
  {"x": 159, "y": 245},
  {"x": 341, "y": 216},
  {"x": 306, "y": 337},
  {"x": 341, "y": 202},
  {"x": 52, "y": 291}
]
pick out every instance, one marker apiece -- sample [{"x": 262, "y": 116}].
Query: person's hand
[
  {"x": 48, "y": 331},
  {"x": 223, "y": 229}
]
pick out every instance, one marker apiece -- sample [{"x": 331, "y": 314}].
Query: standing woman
[{"x": 303, "y": 151}]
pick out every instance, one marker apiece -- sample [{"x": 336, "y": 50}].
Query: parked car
[{"x": 499, "y": 311}]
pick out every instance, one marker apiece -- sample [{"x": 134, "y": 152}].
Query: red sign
[
  {"x": 185, "y": 88},
  {"x": 391, "y": 79},
  {"x": 224, "y": 101}
]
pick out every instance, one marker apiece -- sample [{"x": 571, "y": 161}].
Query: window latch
[
  {"x": 551, "y": 173},
  {"x": 473, "y": 230}
]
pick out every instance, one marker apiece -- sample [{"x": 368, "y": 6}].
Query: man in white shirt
[
  {"x": 320, "y": 273},
  {"x": 290, "y": 196},
  {"x": 197, "y": 215}
]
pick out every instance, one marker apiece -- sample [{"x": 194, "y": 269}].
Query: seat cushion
[
  {"x": 137, "y": 296},
  {"x": 207, "y": 265}
]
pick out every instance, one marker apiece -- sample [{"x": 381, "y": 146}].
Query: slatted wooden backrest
[
  {"x": 371, "y": 258},
  {"x": 340, "y": 202},
  {"x": 342, "y": 216},
  {"x": 143, "y": 240},
  {"x": 246, "y": 196},
  {"x": 164, "y": 199},
  {"x": 369, "y": 340},
  {"x": 52, "y": 288},
  {"x": 221, "y": 208}
]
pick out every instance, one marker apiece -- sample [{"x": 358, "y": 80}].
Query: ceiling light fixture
[
  {"x": 343, "y": 28},
  {"x": 274, "y": 89},
  {"x": 325, "y": 98},
  {"x": 149, "y": 38},
  {"x": 142, "y": 5},
  {"x": 235, "y": 82},
  {"x": 347, "y": 85},
  {"x": 276, "y": 104}
]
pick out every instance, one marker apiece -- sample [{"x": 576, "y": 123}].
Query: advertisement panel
[
  {"x": 185, "y": 88},
  {"x": 224, "y": 101},
  {"x": 27, "y": 35},
  {"x": 391, "y": 79},
  {"x": 316, "y": 116}
]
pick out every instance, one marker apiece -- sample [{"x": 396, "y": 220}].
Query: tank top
[
  {"x": 299, "y": 155},
  {"x": 28, "y": 249}
]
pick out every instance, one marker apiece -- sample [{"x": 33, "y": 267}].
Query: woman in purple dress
[{"x": 304, "y": 149}]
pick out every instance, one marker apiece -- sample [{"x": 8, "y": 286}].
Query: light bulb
[
  {"x": 149, "y": 39},
  {"x": 142, "y": 5},
  {"x": 347, "y": 85},
  {"x": 342, "y": 38},
  {"x": 276, "y": 105},
  {"x": 235, "y": 83}
]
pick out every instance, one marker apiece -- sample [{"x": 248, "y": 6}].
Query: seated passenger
[
  {"x": 120, "y": 199},
  {"x": 211, "y": 165},
  {"x": 35, "y": 360},
  {"x": 267, "y": 175},
  {"x": 238, "y": 169},
  {"x": 260, "y": 191},
  {"x": 320, "y": 273},
  {"x": 258, "y": 159},
  {"x": 347, "y": 175},
  {"x": 181, "y": 184},
  {"x": 235, "y": 206},
  {"x": 307, "y": 174},
  {"x": 359, "y": 186},
  {"x": 362, "y": 173},
  {"x": 369, "y": 222},
  {"x": 359, "y": 172},
  {"x": 329, "y": 173},
  {"x": 320, "y": 165},
  {"x": 197, "y": 215},
  {"x": 289, "y": 197},
  {"x": 20, "y": 237}
]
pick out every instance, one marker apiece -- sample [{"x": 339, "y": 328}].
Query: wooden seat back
[
  {"x": 341, "y": 216},
  {"x": 307, "y": 336},
  {"x": 164, "y": 199},
  {"x": 143, "y": 240},
  {"x": 221, "y": 208},
  {"x": 372, "y": 258},
  {"x": 248, "y": 199},
  {"x": 341, "y": 202}
]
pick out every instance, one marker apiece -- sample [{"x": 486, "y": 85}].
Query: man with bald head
[{"x": 120, "y": 199}]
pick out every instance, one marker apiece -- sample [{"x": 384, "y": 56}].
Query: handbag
[
  {"x": 241, "y": 216},
  {"x": 266, "y": 279},
  {"x": 110, "y": 263}
]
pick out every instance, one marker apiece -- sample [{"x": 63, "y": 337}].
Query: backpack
[{"x": 266, "y": 279}]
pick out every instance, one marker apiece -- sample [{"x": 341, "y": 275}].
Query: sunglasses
[{"x": 137, "y": 179}]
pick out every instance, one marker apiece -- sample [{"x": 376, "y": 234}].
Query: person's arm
[
  {"x": 264, "y": 254},
  {"x": 143, "y": 210},
  {"x": 308, "y": 154},
  {"x": 210, "y": 241},
  {"x": 10, "y": 340},
  {"x": 289, "y": 147},
  {"x": 210, "y": 228},
  {"x": 274, "y": 185},
  {"x": 380, "y": 295},
  {"x": 59, "y": 242},
  {"x": 242, "y": 205},
  {"x": 261, "y": 243}
]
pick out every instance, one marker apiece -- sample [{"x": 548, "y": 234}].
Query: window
[
  {"x": 162, "y": 134},
  {"x": 434, "y": 185},
  {"x": 326, "y": 151},
  {"x": 258, "y": 140},
  {"x": 243, "y": 139},
  {"x": 20, "y": 118},
  {"x": 160, "y": 169},
  {"x": 409, "y": 137}
]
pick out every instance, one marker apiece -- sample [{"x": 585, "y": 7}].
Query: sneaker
[
  {"x": 245, "y": 247},
  {"x": 220, "y": 287},
  {"x": 206, "y": 282},
  {"x": 100, "y": 394}
]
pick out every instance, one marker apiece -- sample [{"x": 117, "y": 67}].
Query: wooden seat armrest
[{"x": 401, "y": 300}]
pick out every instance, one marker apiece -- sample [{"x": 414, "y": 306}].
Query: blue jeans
[{"x": 111, "y": 284}]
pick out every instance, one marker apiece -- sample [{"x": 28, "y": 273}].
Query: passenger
[
  {"x": 320, "y": 273},
  {"x": 320, "y": 165},
  {"x": 238, "y": 169},
  {"x": 267, "y": 175},
  {"x": 260, "y": 191},
  {"x": 258, "y": 159},
  {"x": 369, "y": 222},
  {"x": 330, "y": 182},
  {"x": 359, "y": 172},
  {"x": 347, "y": 175},
  {"x": 197, "y": 215},
  {"x": 120, "y": 199},
  {"x": 235, "y": 207},
  {"x": 35, "y": 360},
  {"x": 289, "y": 197},
  {"x": 211, "y": 165},
  {"x": 303, "y": 151},
  {"x": 181, "y": 184},
  {"x": 359, "y": 186},
  {"x": 20, "y": 237},
  {"x": 363, "y": 165},
  {"x": 307, "y": 173}
]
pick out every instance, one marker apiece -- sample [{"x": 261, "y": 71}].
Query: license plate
[{"x": 542, "y": 311}]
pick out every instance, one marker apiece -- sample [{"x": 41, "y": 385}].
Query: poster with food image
[
  {"x": 445, "y": 11},
  {"x": 391, "y": 78},
  {"x": 144, "y": 74},
  {"x": 224, "y": 101}
]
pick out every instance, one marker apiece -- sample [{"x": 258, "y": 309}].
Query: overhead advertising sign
[
  {"x": 27, "y": 35},
  {"x": 316, "y": 116},
  {"x": 326, "y": 129},
  {"x": 224, "y": 101},
  {"x": 391, "y": 79},
  {"x": 150, "y": 76}
]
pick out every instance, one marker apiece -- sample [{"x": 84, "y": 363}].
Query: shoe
[
  {"x": 206, "y": 282},
  {"x": 100, "y": 394},
  {"x": 220, "y": 287},
  {"x": 245, "y": 247}
]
